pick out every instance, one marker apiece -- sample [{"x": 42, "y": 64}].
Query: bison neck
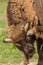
[{"x": 38, "y": 6}]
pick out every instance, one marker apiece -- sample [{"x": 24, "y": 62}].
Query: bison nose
[{"x": 7, "y": 40}]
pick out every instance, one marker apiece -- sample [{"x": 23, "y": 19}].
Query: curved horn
[
  {"x": 26, "y": 27},
  {"x": 7, "y": 40}
]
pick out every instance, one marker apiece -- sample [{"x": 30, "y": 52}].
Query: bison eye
[{"x": 23, "y": 9}]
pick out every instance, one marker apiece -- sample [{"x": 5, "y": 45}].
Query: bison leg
[
  {"x": 40, "y": 51},
  {"x": 25, "y": 60}
]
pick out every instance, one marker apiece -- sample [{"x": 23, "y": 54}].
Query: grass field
[{"x": 8, "y": 52}]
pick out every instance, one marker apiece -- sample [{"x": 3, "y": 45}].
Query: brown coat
[{"x": 19, "y": 11}]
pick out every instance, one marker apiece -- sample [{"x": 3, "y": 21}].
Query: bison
[{"x": 24, "y": 28}]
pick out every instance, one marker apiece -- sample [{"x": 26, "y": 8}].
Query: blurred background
[{"x": 9, "y": 54}]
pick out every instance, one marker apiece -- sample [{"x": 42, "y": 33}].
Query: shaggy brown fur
[{"x": 19, "y": 12}]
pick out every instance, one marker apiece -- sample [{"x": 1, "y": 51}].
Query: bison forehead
[
  {"x": 18, "y": 10},
  {"x": 38, "y": 6}
]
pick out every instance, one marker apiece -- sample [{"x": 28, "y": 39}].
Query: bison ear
[{"x": 26, "y": 27}]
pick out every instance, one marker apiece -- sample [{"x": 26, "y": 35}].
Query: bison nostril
[{"x": 31, "y": 51}]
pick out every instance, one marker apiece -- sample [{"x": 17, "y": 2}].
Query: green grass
[
  {"x": 8, "y": 51},
  {"x": 2, "y": 23},
  {"x": 2, "y": 8}
]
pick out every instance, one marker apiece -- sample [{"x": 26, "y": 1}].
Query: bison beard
[{"x": 22, "y": 21}]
